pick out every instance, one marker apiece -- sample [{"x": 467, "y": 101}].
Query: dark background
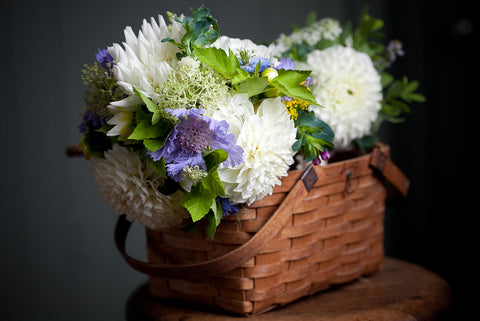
[{"x": 58, "y": 260}]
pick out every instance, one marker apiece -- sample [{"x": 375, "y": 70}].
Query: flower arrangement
[
  {"x": 182, "y": 124},
  {"x": 349, "y": 76}
]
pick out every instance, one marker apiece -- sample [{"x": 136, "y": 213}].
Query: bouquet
[
  {"x": 182, "y": 125},
  {"x": 350, "y": 78}
]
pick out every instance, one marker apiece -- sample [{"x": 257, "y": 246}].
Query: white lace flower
[
  {"x": 129, "y": 186},
  {"x": 266, "y": 137},
  {"x": 244, "y": 45},
  {"x": 324, "y": 29},
  {"x": 346, "y": 83},
  {"x": 144, "y": 63}
]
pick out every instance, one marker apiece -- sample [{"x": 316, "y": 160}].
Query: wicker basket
[{"x": 321, "y": 227}]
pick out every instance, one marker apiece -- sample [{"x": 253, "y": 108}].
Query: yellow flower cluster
[{"x": 293, "y": 105}]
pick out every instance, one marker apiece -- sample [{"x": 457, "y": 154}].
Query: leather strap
[{"x": 380, "y": 161}]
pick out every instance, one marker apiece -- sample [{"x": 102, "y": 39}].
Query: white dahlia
[
  {"x": 266, "y": 137},
  {"x": 129, "y": 186},
  {"x": 144, "y": 63},
  {"x": 347, "y": 84}
]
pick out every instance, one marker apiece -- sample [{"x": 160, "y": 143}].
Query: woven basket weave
[{"x": 320, "y": 227}]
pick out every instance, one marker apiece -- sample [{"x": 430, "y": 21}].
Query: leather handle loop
[
  {"x": 230, "y": 260},
  {"x": 381, "y": 162}
]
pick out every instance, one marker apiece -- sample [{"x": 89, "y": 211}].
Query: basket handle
[
  {"x": 381, "y": 162},
  {"x": 232, "y": 259}
]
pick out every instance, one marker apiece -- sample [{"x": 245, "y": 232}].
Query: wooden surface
[{"x": 399, "y": 291}]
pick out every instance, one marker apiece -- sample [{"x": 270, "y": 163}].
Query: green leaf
[
  {"x": 289, "y": 82},
  {"x": 158, "y": 167},
  {"x": 314, "y": 135},
  {"x": 227, "y": 66},
  {"x": 212, "y": 184},
  {"x": 154, "y": 144},
  {"x": 253, "y": 86},
  {"x": 146, "y": 130},
  {"x": 197, "y": 202},
  {"x": 417, "y": 97},
  {"x": 151, "y": 106},
  {"x": 214, "y": 218},
  {"x": 386, "y": 79},
  {"x": 215, "y": 158},
  {"x": 311, "y": 18}
]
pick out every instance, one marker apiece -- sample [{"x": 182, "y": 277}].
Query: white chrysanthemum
[
  {"x": 346, "y": 83},
  {"x": 266, "y": 137},
  {"x": 129, "y": 186},
  {"x": 144, "y": 63}
]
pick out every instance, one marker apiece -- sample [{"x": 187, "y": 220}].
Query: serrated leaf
[
  {"x": 227, "y": 66},
  {"x": 213, "y": 184},
  {"x": 197, "y": 203},
  {"x": 289, "y": 83},
  {"x": 253, "y": 86}
]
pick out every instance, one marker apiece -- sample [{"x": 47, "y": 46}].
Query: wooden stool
[{"x": 399, "y": 291}]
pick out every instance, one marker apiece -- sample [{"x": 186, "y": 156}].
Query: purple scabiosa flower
[
  {"x": 105, "y": 60},
  {"x": 252, "y": 64},
  {"x": 228, "y": 209},
  {"x": 94, "y": 120},
  {"x": 286, "y": 64},
  {"x": 190, "y": 137}
]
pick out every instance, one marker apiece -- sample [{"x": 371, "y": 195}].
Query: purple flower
[
  {"x": 104, "y": 59},
  {"x": 325, "y": 155},
  {"x": 394, "y": 50},
  {"x": 190, "y": 137},
  {"x": 252, "y": 64},
  {"x": 286, "y": 63},
  {"x": 94, "y": 120},
  {"x": 228, "y": 208}
]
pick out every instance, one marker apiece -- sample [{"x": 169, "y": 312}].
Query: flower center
[{"x": 194, "y": 134}]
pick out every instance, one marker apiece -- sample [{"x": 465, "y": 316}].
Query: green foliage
[
  {"x": 202, "y": 198},
  {"x": 101, "y": 90},
  {"x": 201, "y": 30},
  {"x": 399, "y": 93},
  {"x": 367, "y": 36},
  {"x": 94, "y": 143},
  {"x": 289, "y": 83},
  {"x": 158, "y": 167},
  {"x": 226, "y": 65},
  {"x": 313, "y": 135}
]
